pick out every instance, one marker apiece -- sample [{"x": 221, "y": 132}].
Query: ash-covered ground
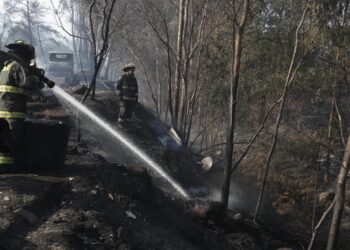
[{"x": 106, "y": 198}]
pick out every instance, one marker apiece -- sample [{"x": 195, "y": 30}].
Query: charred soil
[{"x": 104, "y": 198}]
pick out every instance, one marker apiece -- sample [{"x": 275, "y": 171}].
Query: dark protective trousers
[
  {"x": 10, "y": 138},
  {"x": 126, "y": 111}
]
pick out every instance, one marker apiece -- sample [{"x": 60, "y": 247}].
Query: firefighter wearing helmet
[
  {"x": 127, "y": 91},
  {"x": 15, "y": 81}
]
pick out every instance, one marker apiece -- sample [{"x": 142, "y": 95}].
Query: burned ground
[{"x": 104, "y": 198}]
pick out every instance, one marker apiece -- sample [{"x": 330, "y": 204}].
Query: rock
[
  {"x": 207, "y": 163},
  {"x": 285, "y": 248},
  {"x": 130, "y": 215},
  {"x": 325, "y": 196},
  {"x": 6, "y": 198},
  {"x": 110, "y": 196},
  {"x": 94, "y": 192},
  {"x": 30, "y": 217},
  {"x": 237, "y": 217}
]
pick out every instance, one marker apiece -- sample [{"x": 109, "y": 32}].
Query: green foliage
[{"x": 218, "y": 62}]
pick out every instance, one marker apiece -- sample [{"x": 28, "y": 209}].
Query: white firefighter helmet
[{"x": 129, "y": 66}]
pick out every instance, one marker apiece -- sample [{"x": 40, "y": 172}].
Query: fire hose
[{"x": 33, "y": 70}]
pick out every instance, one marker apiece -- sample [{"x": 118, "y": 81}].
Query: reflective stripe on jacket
[
  {"x": 129, "y": 98},
  {"x": 12, "y": 95},
  {"x": 6, "y": 159}
]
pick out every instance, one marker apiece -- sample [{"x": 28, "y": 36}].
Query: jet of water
[{"x": 121, "y": 138}]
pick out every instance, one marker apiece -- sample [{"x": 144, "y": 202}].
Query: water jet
[{"x": 60, "y": 93}]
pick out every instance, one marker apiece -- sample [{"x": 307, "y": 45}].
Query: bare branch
[
  {"x": 314, "y": 231},
  {"x": 60, "y": 24},
  {"x": 252, "y": 140},
  {"x": 288, "y": 81},
  {"x": 340, "y": 123}
]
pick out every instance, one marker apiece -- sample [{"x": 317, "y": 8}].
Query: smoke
[{"x": 233, "y": 202}]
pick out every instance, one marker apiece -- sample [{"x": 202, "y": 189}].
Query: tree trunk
[
  {"x": 230, "y": 128},
  {"x": 94, "y": 78},
  {"x": 339, "y": 199},
  {"x": 41, "y": 44},
  {"x": 329, "y": 142},
  {"x": 236, "y": 61},
  {"x": 159, "y": 109},
  {"x": 179, "y": 55},
  {"x": 184, "y": 72},
  {"x": 29, "y": 21},
  {"x": 75, "y": 52},
  {"x": 104, "y": 66},
  {"x": 170, "y": 78}
]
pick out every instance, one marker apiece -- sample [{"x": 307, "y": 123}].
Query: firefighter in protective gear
[
  {"x": 15, "y": 81},
  {"x": 127, "y": 91}
]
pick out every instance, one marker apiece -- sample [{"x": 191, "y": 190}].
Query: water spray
[{"x": 121, "y": 138}]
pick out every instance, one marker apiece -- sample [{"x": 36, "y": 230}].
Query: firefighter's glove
[{"x": 33, "y": 82}]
